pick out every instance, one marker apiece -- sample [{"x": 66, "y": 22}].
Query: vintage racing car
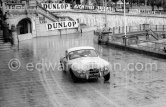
[{"x": 84, "y": 62}]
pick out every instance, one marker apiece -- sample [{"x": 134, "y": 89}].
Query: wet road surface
[{"x": 35, "y": 85}]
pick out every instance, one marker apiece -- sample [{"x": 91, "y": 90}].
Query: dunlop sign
[
  {"x": 61, "y": 25},
  {"x": 56, "y": 6}
]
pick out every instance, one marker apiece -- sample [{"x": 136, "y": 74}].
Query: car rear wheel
[
  {"x": 74, "y": 78},
  {"x": 107, "y": 77}
]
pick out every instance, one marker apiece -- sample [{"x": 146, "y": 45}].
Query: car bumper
[{"x": 90, "y": 75}]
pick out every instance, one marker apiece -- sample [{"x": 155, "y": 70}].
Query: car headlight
[
  {"x": 106, "y": 68},
  {"x": 75, "y": 67},
  {"x": 79, "y": 71}
]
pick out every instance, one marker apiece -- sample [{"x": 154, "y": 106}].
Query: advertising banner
[
  {"x": 15, "y": 6},
  {"x": 84, "y": 7},
  {"x": 102, "y": 8},
  {"x": 56, "y": 6},
  {"x": 61, "y": 25},
  {"x": 90, "y": 7}
]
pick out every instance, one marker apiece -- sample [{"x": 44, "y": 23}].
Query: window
[{"x": 82, "y": 53}]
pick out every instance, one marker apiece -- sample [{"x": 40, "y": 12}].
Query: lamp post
[
  {"x": 124, "y": 22},
  {"x": 124, "y": 18}
]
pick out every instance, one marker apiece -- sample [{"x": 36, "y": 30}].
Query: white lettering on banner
[
  {"x": 134, "y": 11},
  {"x": 14, "y": 6},
  {"x": 141, "y": 11},
  {"x": 89, "y": 7},
  {"x": 56, "y": 6},
  {"x": 84, "y": 7},
  {"x": 61, "y": 25},
  {"x": 101, "y": 8}
]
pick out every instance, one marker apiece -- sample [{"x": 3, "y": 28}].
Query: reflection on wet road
[{"x": 136, "y": 80}]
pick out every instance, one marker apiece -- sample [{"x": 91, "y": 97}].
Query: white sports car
[{"x": 85, "y": 63}]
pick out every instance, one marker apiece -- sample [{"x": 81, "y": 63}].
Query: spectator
[
  {"x": 95, "y": 6},
  {"x": 164, "y": 49},
  {"x": 63, "y": 1}
]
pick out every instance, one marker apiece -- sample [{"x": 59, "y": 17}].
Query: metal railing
[
  {"x": 119, "y": 30},
  {"x": 129, "y": 29},
  {"x": 151, "y": 46},
  {"x": 158, "y": 28}
]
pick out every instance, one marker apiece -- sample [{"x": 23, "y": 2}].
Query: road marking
[
  {"x": 49, "y": 91},
  {"x": 63, "y": 92},
  {"x": 109, "y": 100}
]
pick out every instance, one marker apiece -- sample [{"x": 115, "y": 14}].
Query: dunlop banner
[
  {"x": 89, "y": 7},
  {"x": 102, "y": 8},
  {"x": 15, "y": 6},
  {"x": 61, "y": 25},
  {"x": 56, "y": 6}
]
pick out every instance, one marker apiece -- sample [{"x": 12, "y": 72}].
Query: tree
[
  {"x": 158, "y": 3},
  {"x": 131, "y": 2},
  {"x": 152, "y": 3},
  {"x": 164, "y": 5},
  {"x": 115, "y": 1}
]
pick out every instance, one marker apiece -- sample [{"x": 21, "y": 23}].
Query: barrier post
[
  {"x": 140, "y": 27},
  {"x": 163, "y": 27},
  {"x": 156, "y": 27},
  {"x": 113, "y": 30},
  {"x": 122, "y": 29},
  {"x": 119, "y": 29}
]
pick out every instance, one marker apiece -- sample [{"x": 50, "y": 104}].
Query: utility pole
[
  {"x": 125, "y": 23},
  {"x": 106, "y": 13}
]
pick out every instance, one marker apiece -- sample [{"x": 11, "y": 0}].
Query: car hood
[{"x": 86, "y": 63}]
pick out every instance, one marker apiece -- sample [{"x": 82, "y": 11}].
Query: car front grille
[{"x": 93, "y": 71}]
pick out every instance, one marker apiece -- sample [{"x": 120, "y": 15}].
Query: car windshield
[{"x": 82, "y": 53}]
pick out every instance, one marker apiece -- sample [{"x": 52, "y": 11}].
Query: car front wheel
[
  {"x": 107, "y": 77},
  {"x": 74, "y": 78}
]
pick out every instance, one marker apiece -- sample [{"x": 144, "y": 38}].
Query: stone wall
[
  {"x": 91, "y": 19},
  {"x": 115, "y": 20},
  {"x": 26, "y": 36}
]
